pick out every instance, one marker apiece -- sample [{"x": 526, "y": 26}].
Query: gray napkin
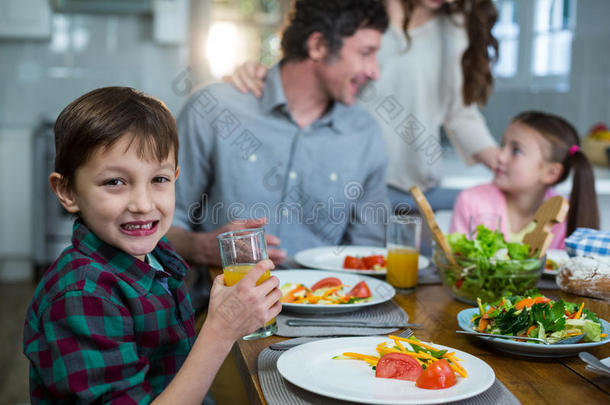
[
  {"x": 278, "y": 391},
  {"x": 386, "y": 312}
]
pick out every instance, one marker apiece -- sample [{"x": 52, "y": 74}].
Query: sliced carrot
[
  {"x": 360, "y": 356},
  {"x": 413, "y": 342},
  {"x": 420, "y": 355},
  {"x": 528, "y": 302},
  {"x": 582, "y": 306},
  {"x": 290, "y": 295},
  {"x": 483, "y": 324}
]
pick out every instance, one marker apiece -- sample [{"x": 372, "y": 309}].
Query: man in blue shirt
[{"x": 301, "y": 156}]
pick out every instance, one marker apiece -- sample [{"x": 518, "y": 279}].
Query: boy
[{"x": 111, "y": 320}]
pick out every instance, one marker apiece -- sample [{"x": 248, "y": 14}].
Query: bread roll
[{"x": 586, "y": 275}]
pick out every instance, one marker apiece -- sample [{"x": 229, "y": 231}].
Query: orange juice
[
  {"x": 235, "y": 272},
  {"x": 402, "y": 267}
]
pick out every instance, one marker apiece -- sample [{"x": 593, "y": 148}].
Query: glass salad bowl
[{"x": 487, "y": 278}]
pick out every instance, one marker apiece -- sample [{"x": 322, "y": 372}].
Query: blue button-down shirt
[{"x": 243, "y": 157}]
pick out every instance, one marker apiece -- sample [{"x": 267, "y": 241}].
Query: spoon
[
  {"x": 593, "y": 361},
  {"x": 573, "y": 339}
]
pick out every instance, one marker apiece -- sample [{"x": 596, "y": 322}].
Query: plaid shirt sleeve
[{"x": 86, "y": 352}]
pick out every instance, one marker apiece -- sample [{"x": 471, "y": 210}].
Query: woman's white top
[{"x": 419, "y": 89}]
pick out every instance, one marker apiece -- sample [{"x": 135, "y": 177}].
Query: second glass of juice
[
  {"x": 402, "y": 242},
  {"x": 239, "y": 252}
]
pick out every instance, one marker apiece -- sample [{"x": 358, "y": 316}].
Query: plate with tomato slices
[
  {"x": 368, "y": 260},
  {"x": 355, "y": 380},
  {"x": 307, "y": 291}
]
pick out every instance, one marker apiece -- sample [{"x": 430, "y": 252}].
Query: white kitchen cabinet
[{"x": 25, "y": 19}]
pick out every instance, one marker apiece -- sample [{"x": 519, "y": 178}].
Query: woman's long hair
[
  {"x": 565, "y": 149},
  {"x": 479, "y": 18}
]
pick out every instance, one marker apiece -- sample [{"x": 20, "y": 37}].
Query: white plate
[
  {"x": 354, "y": 380},
  {"x": 380, "y": 290},
  {"x": 464, "y": 318},
  {"x": 559, "y": 256},
  {"x": 332, "y": 257}
]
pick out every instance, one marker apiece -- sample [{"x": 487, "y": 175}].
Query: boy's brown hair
[{"x": 101, "y": 117}]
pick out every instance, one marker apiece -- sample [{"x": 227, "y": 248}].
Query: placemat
[
  {"x": 278, "y": 391},
  {"x": 386, "y": 312}
]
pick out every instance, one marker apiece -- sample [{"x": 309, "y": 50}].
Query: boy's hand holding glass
[
  {"x": 255, "y": 294},
  {"x": 243, "y": 308}
]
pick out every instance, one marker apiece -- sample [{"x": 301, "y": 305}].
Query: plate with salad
[
  {"x": 540, "y": 317},
  {"x": 307, "y": 291},
  {"x": 555, "y": 258},
  {"x": 369, "y": 260},
  {"x": 347, "y": 369}
]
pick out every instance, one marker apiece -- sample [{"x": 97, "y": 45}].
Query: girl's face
[{"x": 522, "y": 161}]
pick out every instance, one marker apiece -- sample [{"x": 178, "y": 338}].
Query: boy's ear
[
  {"x": 177, "y": 173},
  {"x": 552, "y": 172},
  {"x": 316, "y": 46},
  {"x": 64, "y": 194}
]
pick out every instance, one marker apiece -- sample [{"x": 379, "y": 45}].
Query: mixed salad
[
  {"x": 412, "y": 360},
  {"x": 489, "y": 267},
  {"x": 539, "y": 317},
  {"x": 327, "y": 291}
]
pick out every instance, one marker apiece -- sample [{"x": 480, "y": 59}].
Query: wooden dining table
[{"x": 531, "y": 380}]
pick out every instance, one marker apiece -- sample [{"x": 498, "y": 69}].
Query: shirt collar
[
  {"x": 274, "y": 98},
  {"x": 131, "y": 269}
]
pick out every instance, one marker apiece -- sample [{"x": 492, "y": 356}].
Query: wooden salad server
[
  {"x": 426, "y": 211},
  {"x": 551, "y": 212}
]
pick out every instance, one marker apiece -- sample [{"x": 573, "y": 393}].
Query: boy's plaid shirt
[{"x": 101, "y": 328}]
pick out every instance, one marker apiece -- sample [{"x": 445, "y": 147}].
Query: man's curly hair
[{"x": 334, "y": 19}]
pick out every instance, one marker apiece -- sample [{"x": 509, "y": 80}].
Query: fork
[{"x": 299, "y": 341}]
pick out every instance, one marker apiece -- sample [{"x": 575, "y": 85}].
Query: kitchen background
[{"x": 554, "y": 55}]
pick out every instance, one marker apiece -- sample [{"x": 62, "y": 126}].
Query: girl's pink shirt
[{"x": 488, "y": 199}]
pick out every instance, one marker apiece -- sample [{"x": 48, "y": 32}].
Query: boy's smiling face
[{"x": 126, "y": 200}]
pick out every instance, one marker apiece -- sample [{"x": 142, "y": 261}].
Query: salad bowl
[{"x": 487, "y": 267}]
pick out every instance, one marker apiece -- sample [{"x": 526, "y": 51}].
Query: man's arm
[{"x": 201, "y": 248}]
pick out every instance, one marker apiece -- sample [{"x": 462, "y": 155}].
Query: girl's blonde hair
[{"x": 565, "y": 149}]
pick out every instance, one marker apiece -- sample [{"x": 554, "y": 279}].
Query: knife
[{"x": 350, "y": 324}]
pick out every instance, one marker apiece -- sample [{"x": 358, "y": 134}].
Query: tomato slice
[
  {"x": 436, "y": 376},
  {"x": 371, "y": 261},
  {"x": 399, "y": 366},
  {"x": 326, "y": 282},
  {"x": 352, "y": 262},
  {"x": 360, "y": 290}
]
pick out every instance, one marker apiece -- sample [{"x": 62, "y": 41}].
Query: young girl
[{"x": 538, "y": 151}]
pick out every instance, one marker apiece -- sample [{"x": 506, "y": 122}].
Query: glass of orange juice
[
  {"x": 239, "y": 252},
  {"x": 402, "y": 241}
]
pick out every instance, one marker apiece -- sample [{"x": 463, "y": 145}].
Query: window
[
  {"x": 506, "y": 32},
  {"x": 535, "y": 43},
  {"x": 552, "y": 46}
]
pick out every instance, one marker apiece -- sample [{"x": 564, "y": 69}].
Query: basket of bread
[{"x": 587, "y": 272}]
